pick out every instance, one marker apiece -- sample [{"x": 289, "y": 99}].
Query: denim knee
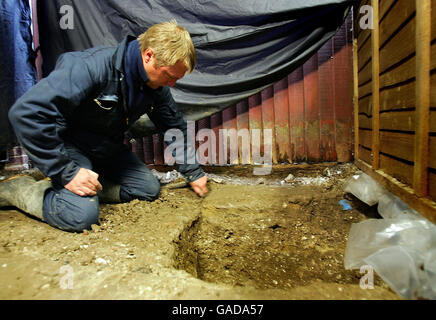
[
  {"x": 153, "y": 189},
  {"x": 70, "y": 212},
  {"x": 145, "y": 189}
]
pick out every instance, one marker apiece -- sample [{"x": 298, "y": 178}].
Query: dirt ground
[{"x": 269, "y": 237}]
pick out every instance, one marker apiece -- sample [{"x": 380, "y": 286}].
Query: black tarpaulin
[{"x": 242, "y": 46}]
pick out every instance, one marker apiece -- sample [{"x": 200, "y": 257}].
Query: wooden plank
[
  {"x": 400, "y": 12},
  {"x": 229, "y": 122},
  {"x": 365, "y": 75},
  {"x": 375, "y": 48},
  {"x": 158, "y": 149},
  {"x": 365, "y": 105},
  {"x": 364, "y": 54},
  {"x": 365, "y": 138},
  {"x": 399, "y": 97},
  {"x": 356, "y": 98},
  {"x": 216, "y": 124},
  {"x": 365, "y": 90},
  {"x": 255, "y": 123},
  {"x": 432, "y": 185},
  {"x": 433, "y": 121},
  {"x": 365, "y": 155},
  {"x": 365, "y": 122},
  {"x": 326, "y": 102},
  {"x": 402, "y": 73},
  {"x": 343, "y": 95},
  {"x": 207, "y": 156},
  {"x": 384, "y": 7},
  {"x": 404, "y": 121},
  {"x": 399, "y": 170},
  {"x": 148, "y": 150},
  {"x": 401, "y": 46},
  {"x": 138, "y": 148},
  {"x": 398, "y": 144},
  {"x": 433, "y": 55},
  {"x": 311, "y": 99},
  {"x": 296, "y": 112},
  {"x": 358, "y": 16},
  {"x": 356, "y": 21},
  {"x": 433, "y": 25},
  {"x": 423, "y": 205},
  {"x": 364, "y": 37},
  {"x": 433, "y": 66},
  {"x": 423, "y": 38},
  {"x": 242, "y": 125},
  {"x": 349, "y": 119},
  {"x": 432, "y": 153},
  {"x": 281, "y": 114},
  {"x": 433, "y": 90},
  {"x": 398, "y": 120},
  {"x": 267, "y": 96}
]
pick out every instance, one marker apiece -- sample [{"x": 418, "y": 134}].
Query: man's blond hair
[{"x": 170, "y": 43}]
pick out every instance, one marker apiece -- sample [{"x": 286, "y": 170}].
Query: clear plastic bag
[
  {"x": 366, "y": 189},
  {"x": 392, "y": 207},
  {"x": 430, "y": 273},
  {"x": 396, "y": 266},
  {"x": 401, "y": 251},
  {"x": 369, "y": 236},
  {"x": 406, "y": 272}
]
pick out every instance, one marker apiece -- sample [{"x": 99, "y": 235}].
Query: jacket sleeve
[
  {"x": 39, "y": 116},
  {"x": 165, "y": 116}
]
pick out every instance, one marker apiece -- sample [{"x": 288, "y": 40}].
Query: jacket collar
[
  {"x": 118, "y": 62},
  {"x": 118, "y": 57},
  {"x": 133, "y": 66}
]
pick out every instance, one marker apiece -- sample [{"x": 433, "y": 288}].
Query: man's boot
[
  {"x": 25, "y": 193},
  {"x": 110, "y": 192}
]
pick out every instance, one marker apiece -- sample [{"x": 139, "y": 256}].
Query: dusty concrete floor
[{"x": 259, "y": 239}]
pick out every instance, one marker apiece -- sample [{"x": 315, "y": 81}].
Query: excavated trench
[
  {"x": 281, "y": 236},
  {"x": 268, "y": 236}
]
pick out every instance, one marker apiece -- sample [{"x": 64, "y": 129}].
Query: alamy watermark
[
  {"x": 67, "y": 19},
  {"x": 67, "y": 280},
  {"x": 227, "y": 143},
  {"x": 367, "y": 281},
  {"x": 367, "y": 20}
]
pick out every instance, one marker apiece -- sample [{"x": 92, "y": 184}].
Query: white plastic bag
[
  {"x": 392, "y": 207},
  {"x": 396, "y": 266},
  {"x": 369, "y": 236},
  {"x": 401, "y": 251},
  {"x": 430, "y": 273},
  {"x": 405, "y": 271},
  {"x": 366, "y": 189}
]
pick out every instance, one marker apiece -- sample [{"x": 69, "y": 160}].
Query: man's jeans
[{"x": 65, "y": 210}]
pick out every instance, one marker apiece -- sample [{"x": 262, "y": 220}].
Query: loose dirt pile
[{"x": 272, "y": 237}]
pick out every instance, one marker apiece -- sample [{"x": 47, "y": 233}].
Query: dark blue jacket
[{"x": 84, "y": 101}]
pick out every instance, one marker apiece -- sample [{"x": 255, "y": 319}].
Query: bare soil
[{"x": 251, "y": 238}]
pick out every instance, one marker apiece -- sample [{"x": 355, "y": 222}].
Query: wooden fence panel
[{"x": 401, "y": 133}]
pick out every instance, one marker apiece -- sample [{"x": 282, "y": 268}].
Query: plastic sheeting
[
  {"x": 242, "y": 46},
  {"x": 401, "y": 247},
  {"x": 17, "y": 71}
]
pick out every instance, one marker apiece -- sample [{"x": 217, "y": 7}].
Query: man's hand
[
  {"x": 199, "y": 186},
  {"x": 84, "y": 183}
]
